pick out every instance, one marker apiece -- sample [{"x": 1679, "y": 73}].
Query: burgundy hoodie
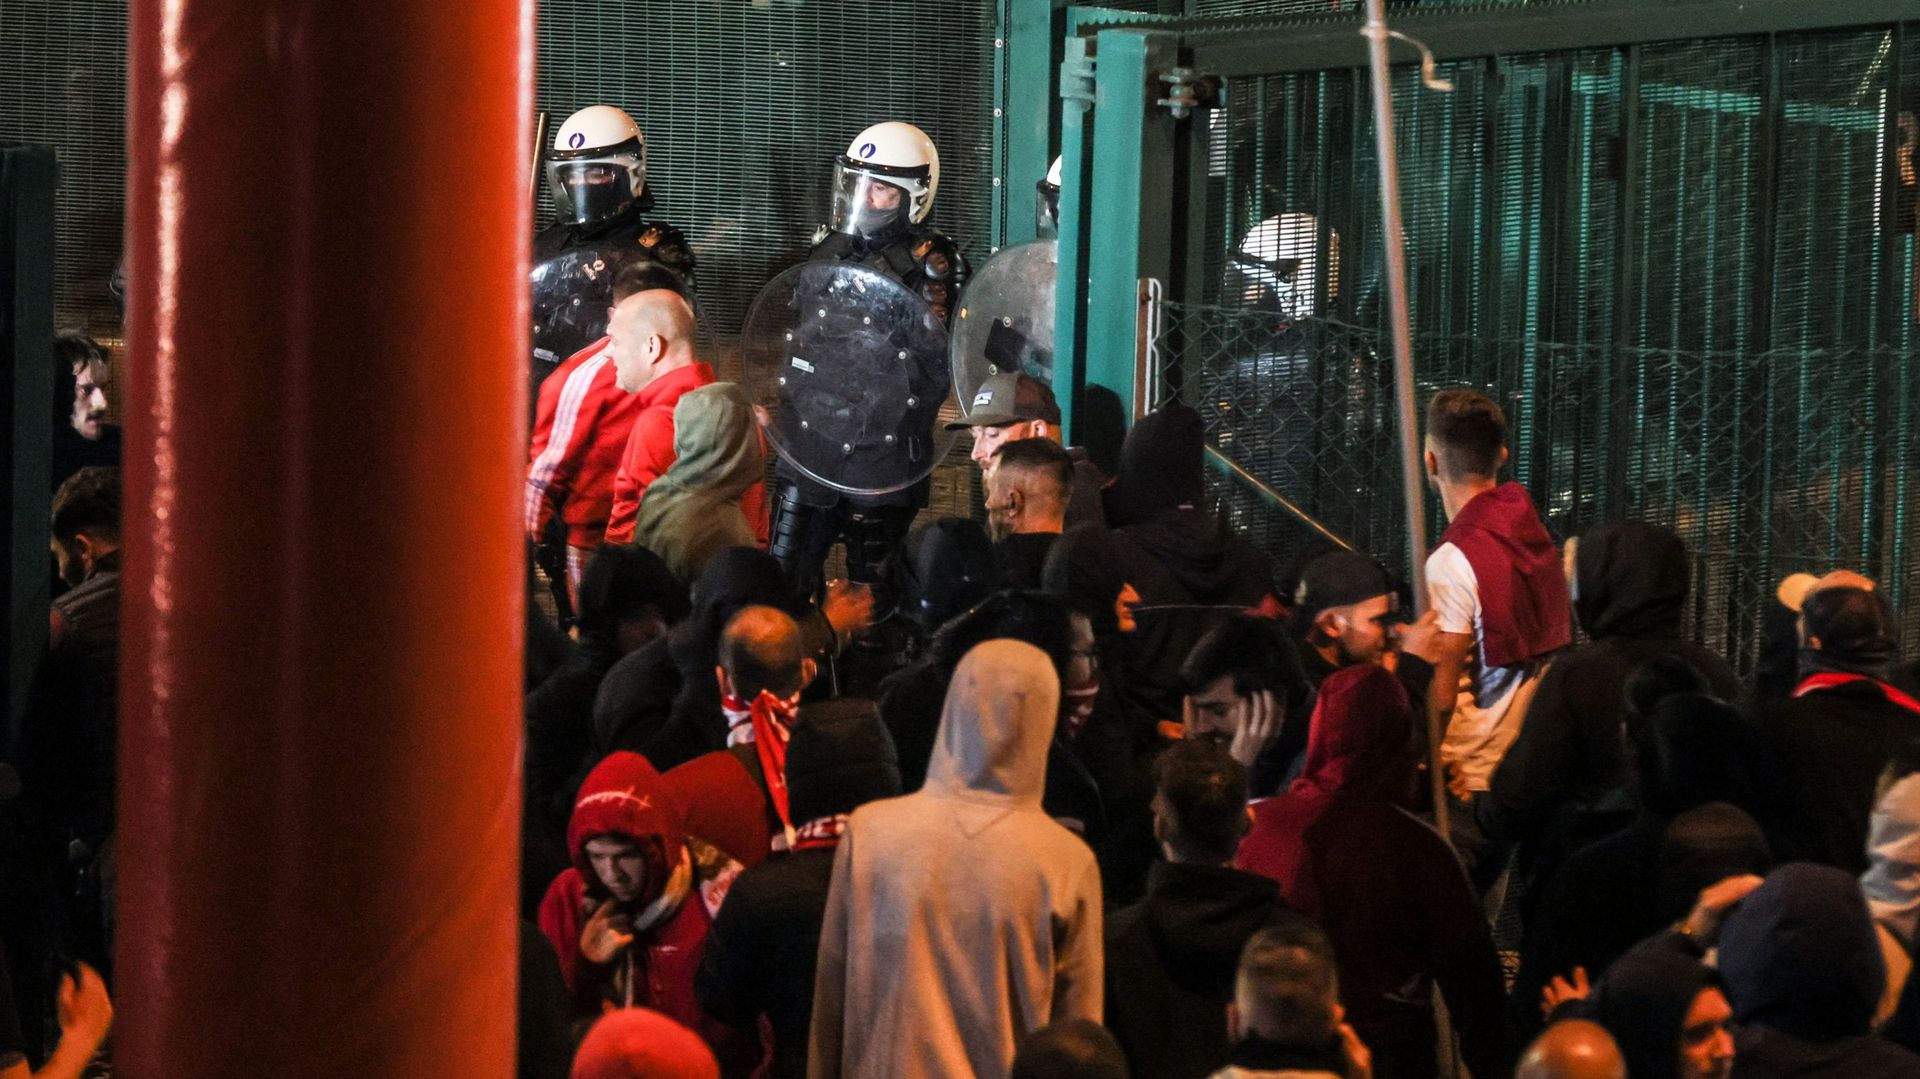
[{"x": 1525, "y": 612}]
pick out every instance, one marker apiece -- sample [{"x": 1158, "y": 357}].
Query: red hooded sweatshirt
[
  {"x": 1387, "y": 889},
  {"x": 623, "y": 796}
]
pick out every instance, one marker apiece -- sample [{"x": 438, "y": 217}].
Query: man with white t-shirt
[{"x": 1497, "y": 585}]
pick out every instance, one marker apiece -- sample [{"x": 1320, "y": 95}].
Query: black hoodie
[
  {"x": 1564, "y": 781},
  {"x": 1803, "y": 971},
  {"x": 1171, "y": 960}
]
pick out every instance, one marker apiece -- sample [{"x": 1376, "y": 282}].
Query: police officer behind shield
[
  {"x": 597, "y": 173},
  {"x": 884, "y": 187}
]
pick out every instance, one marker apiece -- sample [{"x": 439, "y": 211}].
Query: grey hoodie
[{"x": 961, "y": 918}]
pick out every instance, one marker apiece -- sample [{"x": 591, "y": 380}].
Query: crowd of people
[{"x": 1098, "y": 788}]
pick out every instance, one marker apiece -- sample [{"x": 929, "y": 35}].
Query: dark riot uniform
[
  {"x": 808, "y": 516},
  {"x": 573, "y": 270}
]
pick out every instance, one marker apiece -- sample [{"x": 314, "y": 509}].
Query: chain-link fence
[{"x": 1766, "y": 463}]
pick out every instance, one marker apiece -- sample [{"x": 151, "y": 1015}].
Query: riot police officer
[
  {"x": 884, "y": 187},
  {"x": 597, "y": 173}
]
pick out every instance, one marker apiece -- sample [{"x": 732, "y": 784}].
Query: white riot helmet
[
  {"x": 1277, "y": 266},
  {"x": 598, "y": 165},
  {"x": 887, "y": 178},
  {"x": 1046, "y": 210}
]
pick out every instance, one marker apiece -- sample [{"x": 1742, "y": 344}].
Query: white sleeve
[{"x": 1452, "y": 589}]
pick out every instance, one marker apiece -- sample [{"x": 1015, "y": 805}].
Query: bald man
[
  {"x": 650, "y": 340},
  {"x": 1572, "y": 1049},
  {"x": 736, "y": 798}
]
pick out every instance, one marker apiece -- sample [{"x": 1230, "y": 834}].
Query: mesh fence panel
[{"x": 1686, "y": 271}]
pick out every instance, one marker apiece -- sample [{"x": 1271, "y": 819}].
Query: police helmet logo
[
  {"x": 867, "y": 150},
  {"x": 576, "y": 140}
]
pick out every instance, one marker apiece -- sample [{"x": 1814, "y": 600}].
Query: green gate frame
[{"x": 1124, "y": 195}]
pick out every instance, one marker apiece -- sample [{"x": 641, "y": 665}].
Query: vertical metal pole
[
  {"x": 1413, "y": 476},
  {"x": 320, "y": 707}
]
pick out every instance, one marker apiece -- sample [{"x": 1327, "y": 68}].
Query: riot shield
[
  {"x": 1005, "y": 321},
  {"x": 850, "y": 370}
]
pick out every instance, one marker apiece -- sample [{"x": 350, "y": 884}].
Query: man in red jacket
[
  {"x": 580, "y": 427},
  {"x": 651, "y": 342}
]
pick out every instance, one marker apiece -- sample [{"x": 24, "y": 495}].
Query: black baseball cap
[
  {"x": 1339, "y": 579},
  {"x": 1009, "y": 398}
]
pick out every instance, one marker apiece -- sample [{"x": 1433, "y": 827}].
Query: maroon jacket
[{"x": 1525, "y": 611}]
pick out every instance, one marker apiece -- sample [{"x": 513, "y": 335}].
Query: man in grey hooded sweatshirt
[{"x": 961, "y": 918}]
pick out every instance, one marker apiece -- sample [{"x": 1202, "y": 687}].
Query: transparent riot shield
[
  {"x": 849, "y": 370},
  {"x": 1005, "y": 320}
]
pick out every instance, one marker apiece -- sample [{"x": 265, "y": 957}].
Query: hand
[
  {"x": 1559, "y": 991},
  {"x": 1703, "y": 923},
  {"x": 1421, "y": 637},
  {"x": 606, "y": 933},
  {"x": 1457, "y": 782},
  {"x": 1359, "y": 1057},
  {"x": 848, "y": 608},
  {"x": 85, "y": 1011},
  {"x": 1260, "y": 717}
]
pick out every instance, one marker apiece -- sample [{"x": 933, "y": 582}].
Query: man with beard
[{"x": 1028, "y": 487}]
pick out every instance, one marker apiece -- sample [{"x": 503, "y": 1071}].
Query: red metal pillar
[{"x": 327, "y": 244}]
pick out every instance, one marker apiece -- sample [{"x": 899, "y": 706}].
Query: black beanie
[{"x": 841, "y": 757}]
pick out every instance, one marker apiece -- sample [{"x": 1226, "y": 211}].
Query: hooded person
[
  {"x": 1892, "y": 887},
  {"x": 1803, "y": 971},
  {"x": 1665, "y": 1010},
  {"x": 1158, "y": 504},
  {"x": 629, "y": 918},
  {"x": 1690, "y": 779},
  {"x": 640, "y": 1043},
  {"x": 693, "y": 510},
  {"x": 1384, "y": 885},
  {"x": 1563, "y": 782},
  {"x": 628, "y": 598},
  {"x": 760, "y": 956},
  {"x": 1827, "y": 744},
  {"x": 961, "y": 918}
]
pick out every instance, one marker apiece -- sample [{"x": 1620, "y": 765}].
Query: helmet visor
[
  {"x": 592, "y": 189},
  {"x": 867, "y": 204},
  {"x": 1046, "y": 211}
]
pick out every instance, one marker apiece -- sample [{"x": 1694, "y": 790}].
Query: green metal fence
[{"x": 1686, "y": 268}]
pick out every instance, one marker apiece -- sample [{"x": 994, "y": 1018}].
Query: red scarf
[
  {"x": 767, "y": 723},
  {"x": 820, "y": 834},
  {"x": 1814, "y": 683}
]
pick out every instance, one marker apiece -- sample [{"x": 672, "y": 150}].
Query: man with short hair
[
  {"x": 1499, "y": 587},
  {"x": 1171, "y": 958},
  {"x": 1242, "y": 682},
  {"x": 1010, "y": 408},
  {"x": 82, "y": 437},
  {"x": 650, "y": 343},
  {"x": 1343, "y": 612},
  {"x": 1029, "y": 484},
  {"x": 68, "y": 739},
  {"x": 1286, "y": 1019},
  {"x": 736, "y": 798}
]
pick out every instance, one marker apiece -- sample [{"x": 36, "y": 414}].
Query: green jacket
[{"x": 693, "y": 510}]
